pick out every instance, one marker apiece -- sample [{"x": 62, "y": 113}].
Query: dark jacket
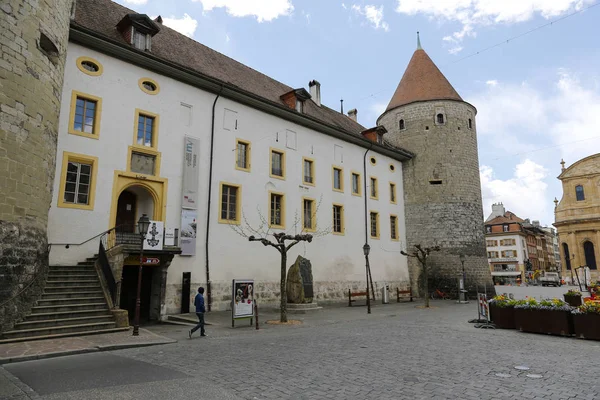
[{"x": 199, "y": 303}]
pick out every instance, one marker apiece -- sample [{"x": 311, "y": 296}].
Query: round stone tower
[
  {"x": 442, "y": 190},
  {"x": 33, "y": 38}
]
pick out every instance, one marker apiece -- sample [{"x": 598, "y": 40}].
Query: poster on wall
[
  {"x": 242, "y": 299},
  {"x": 189, "y": 197},
  {"x": 187, "y": 234},
  {"x": 154, "y": 236}
]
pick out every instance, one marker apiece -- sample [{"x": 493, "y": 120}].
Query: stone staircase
[{"x": 72, "y": 304}]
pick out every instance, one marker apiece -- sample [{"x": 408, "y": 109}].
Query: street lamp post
[
  {"x": 142, "y": 226},
  {"x": 366, "y": 251},
  {"x": 462, "y": 298}
]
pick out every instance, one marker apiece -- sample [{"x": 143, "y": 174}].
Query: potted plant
[
  {"x": 586, "y": 320},
  {"x": 573, "y": 297},
  {"x": 502, "y": 311},
  {"x": 546, "y": 316}
]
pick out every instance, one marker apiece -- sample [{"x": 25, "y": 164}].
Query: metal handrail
[{"x": 67, "y": 245}]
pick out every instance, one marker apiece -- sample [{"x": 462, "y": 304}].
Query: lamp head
[
  {"x": 366, "y": 249},
  {"x": 143, "y": 224}
]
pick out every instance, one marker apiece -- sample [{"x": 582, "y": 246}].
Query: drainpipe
[
  {"x": 366, "y": 246},
  {"x": 210, "y": 175}
]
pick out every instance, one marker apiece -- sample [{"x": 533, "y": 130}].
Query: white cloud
[
  {"x": 185, "y": 25},
  {"x": 227, "y": 38},
  {"x": 136, "y": 2},
  {"x": 263, "y": 10},
  {"x": 471, "y": 13},
  {"x": 558, "y": 119},
  {"x": 491, "y": 82},
  {"x": 524, "y": 193},
  {"x": 373, "y": 14}
]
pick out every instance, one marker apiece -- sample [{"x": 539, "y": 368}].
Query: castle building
[
  {"x": 577, "y": 219},
  {"x": 153, "y": 123}
]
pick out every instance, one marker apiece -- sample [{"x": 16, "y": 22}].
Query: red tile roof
[{"x": 422, "y": 81}]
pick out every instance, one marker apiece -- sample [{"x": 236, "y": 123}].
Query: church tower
[
  {"x": 34, "y": 38},
  {"x": 442, "y": 190}
]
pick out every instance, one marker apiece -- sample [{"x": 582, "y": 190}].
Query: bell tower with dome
[{"x": 442, "y": 189}]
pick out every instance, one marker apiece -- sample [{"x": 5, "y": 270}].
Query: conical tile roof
[{"x": 422, "y": 81}]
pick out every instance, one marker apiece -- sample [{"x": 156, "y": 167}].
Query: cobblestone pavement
[{"x": 398, "y": 352}]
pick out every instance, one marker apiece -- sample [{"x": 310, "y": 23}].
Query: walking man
[{"x": 200, "y": 310}]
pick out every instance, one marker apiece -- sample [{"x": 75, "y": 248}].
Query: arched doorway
[
  {"x": 133, "y": 202},
  {"x": 590, "y": 256}
]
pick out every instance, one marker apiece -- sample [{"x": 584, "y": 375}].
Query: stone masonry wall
[
  {"x": 442, "y": 189},
  {"x": 267, "y": 293},
  {"x": 33, "y": 42}
]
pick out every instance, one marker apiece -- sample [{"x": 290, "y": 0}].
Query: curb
[{"x": 110, "y": 347}]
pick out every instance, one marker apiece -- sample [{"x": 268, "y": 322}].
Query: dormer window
[
  {"x": 295, "y": 99},
  {"x": 138, "y": 30},
  {"x": 300, "y": 106},
  {"x": 380, "y": 138}
]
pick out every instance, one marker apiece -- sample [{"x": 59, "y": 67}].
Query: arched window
[
  {"x": 470, "y": 123},
  {"x": 579, "y": 193},
  {"x": 590, "y": 257},
  {"x": 567, "y": 256},
  {"x": 440, "y": 118},
  {"x": 401, "y": 124}
]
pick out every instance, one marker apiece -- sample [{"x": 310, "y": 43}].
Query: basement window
[{"x": 435, "y": 181}]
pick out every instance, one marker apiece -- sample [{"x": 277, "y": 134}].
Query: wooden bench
[
  {"x": 404, "y": 294},
  {"x": 352, "y": 294}
]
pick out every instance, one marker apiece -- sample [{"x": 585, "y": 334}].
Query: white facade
[
  {"x": 337, "y": 260},
  {"x": 506, "y": 254}
]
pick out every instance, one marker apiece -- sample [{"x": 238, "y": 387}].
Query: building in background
[{"x": 577, "y": 218}]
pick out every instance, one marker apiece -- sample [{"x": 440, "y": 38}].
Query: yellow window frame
[
  {"x": 371, "y": 179},
  {"x": 393, "y": 193},
  {"x": 313, "y": 228},
  {"x": 150, "y": 92},
  {"x": 360, "y": 183},
  {"x": 342, "y": 220},
  {"x": 282, "y": 226},
  {"x": 395, "y": 217},
  {"x": 238, "y": 205},
  {"x": 248, "y": 155},
  {"x": 341, "y": 169},
  {"x": 282, "y": 152},
  {"x": 83, "y": 59},
  {"x": 78, "y": 158},
  {"x": 377, "y": 224},
  {"x": 98, "y": 115},
  {"x": 155, "y": 129},
  {"x": 312, "y": 171}
]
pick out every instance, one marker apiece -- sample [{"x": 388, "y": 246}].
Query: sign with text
[
  {"x": 154, "y": 236},
  {"x": 242, "y": 299},
  {"x": 171, "y": 235},
  {"x": 188, "y": 232},
  {"x": 189, "y": 196}
]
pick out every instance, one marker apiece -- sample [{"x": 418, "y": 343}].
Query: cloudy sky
[{"x": 537, "y": 91}]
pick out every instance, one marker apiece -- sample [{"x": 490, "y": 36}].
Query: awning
[{"x": 506, "y": 273}]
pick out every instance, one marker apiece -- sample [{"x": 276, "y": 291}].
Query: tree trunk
[
  {"x": 426, "y": 282},
  {"x": 283, "y": 309}
]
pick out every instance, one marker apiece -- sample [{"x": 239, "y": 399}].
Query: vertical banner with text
[{"x": 189, "y": 195}]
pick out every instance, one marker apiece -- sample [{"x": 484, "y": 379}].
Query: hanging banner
[
  {"x": 187, "y": 239},
  {"x": 189, "y": 197},
  {"x": 242, "y": 299},
  {"x": 154, "y": 236}
]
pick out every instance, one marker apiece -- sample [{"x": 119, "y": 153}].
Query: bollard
[{"x": 256, "y": 313}]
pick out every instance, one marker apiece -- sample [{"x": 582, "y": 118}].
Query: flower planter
[
  {"x": 587, "y": 326},
  {"x": 552, "y": 322},
  {"x": 502, "y": 317},
  {"x": 574, "y": 301}
]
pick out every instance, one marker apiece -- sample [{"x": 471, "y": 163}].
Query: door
[{"x": 126, "y": 212}]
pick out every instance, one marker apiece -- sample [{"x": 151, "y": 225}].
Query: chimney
[
  {"x": 158, "y": 20},
  {"x": 535, "y": 223},
  {"x": 315, "y": 91},
  {"x": 353, "y": 114}
]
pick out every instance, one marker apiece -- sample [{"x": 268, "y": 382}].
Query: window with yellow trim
[
  {"x": 78, "y": 181},
  {"x": 89, "y": 66},
  {"x": 145, "y": 129},
  {"x": 374, "y": 190},
  {"x": 338, "y": 219},
  {"x": 276, "y": 210},
  {"x": 338, "y": 179},
  {"x": 394, "y": 227},
  {"x": 393, "y": 193},
  {"x": 242, "y": 155},
  {"x": 308, "y": 171},
  {"x": 374, "y": 224},
  {"x": 309, "y": 215},
  {"x": 149, "y": 86},
  {"x": 356, "y": 185},
  {"x": 277, "y": 164},
  {"x": 229, "y": 206},
  {"x": 84, "y": 118}
]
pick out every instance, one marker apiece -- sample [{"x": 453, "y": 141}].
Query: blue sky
[{"x": 538, "y": 96}]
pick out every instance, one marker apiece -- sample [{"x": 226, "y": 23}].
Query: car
[{"x": 551, "y": 279}]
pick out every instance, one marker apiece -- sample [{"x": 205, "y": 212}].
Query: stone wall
[
  {"x": 33, "y": 42},
  {"x": 267, "y": 293},
  {"x": 442, "y": 189}
]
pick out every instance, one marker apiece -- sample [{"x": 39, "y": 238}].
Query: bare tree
[
  {"x": 262, "y": 234},
  {"x": 421, "y": 254}
]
